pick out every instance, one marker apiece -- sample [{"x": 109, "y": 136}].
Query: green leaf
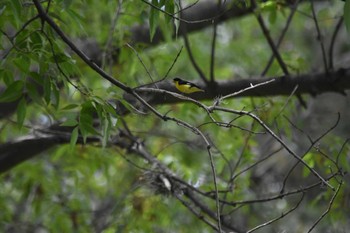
[
  {"x": 16, "y": 9},
  {"x": 13, "y": 92},
  {"x": 21, "y": 40},
  {"x": 59, "y": 58},
  {"x": 22, "y": 63},
  {"x": 37, "y": 77},
  {"x": 153, "y": 19},
  {"x": 86, "y": 120},
  {"x": 70, "y": 106},
  {"x": 107, "y": 125},
  {"x": 21, "y": 112},
  {"x": 347, "y": 15},
  {"x": 55, "y": 99},
  {"x": 269, "y": 5},
  {"x": 170, "y": 8},
  {"x": 74, "y": 137},
  {"x": 309, "y": 158},
  {"x": 32, "y": 91},
  {"x": 36, "y": 42},
  {"x": 47, "y": 89},
  {"x": 7, "y": 76},
  {"x": 273, "y": 17},
  {"x": 70, "y": 123},
  {"x": 110, "y": 109}
]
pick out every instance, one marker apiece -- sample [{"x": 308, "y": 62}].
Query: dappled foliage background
[{"x": 102, "y": 169}]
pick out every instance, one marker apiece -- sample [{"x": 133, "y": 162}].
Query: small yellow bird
[{"x": 186, "y": 87}]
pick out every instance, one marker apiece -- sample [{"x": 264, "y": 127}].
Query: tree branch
[
  {"x": 194, "y": 18},
  {"x": 313, "y": 84}
]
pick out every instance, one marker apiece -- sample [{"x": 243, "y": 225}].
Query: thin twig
[
  {"x": 165, "y": 76},
  {"x": 291, "y": 152},
  {"x": 143, "y": 64},
  {"x": 270, "y": 41},
  {"x": 172, "y": 64},
  {"x": 190, "y": 54},
  {"x": 106, "y": 54},
  {"x": 212, "y": 165},
  {"x": 280, "y": 39},
  {"x": 196, "y": 213},
  {"x": 179, "y": 18},
  {"x": 341, "y": 150},
  {"x": 213, "y": 46},
  {"x": 331, "y": 47},
  {"x": 92, "y": 64},
  {"x": 281, "y": 195},
  {"x": 11, "y": 38},
  {"x": 256, "y": 163},
  {"x": 328, "y": 209},
  {"x": 60, "y": 69},
  {"x": 319, "y": 36},
  {"x": 287, "y": 101},
  {"x": 313, "y": 142},
  {"x": 278, "y": 218},
  {"x": 186, "y": 7},
  {"x": 252, "y": 86},
  {"x": 71, "y": 45},
  {"x": 233, "y": 169}
]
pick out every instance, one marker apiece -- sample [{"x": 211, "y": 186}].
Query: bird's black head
[{"x": 176, "y": 80}]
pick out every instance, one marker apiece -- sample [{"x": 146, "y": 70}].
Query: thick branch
[
  {"x": 14, "y": 153},
  {"x": 194, "y": 18},
  {"x": 312, "y": 84}
]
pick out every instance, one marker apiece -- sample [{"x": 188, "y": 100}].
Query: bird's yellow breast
[{"x": 187, "y": 88}]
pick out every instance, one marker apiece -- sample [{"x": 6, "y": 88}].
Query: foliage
[{"x": 109, "y": 167}]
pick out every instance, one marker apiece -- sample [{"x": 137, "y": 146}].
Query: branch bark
[
  {"x": 194, "y": 18},
  {"x": 313, "y": 84},
  {"x": 13, "y": 153}
]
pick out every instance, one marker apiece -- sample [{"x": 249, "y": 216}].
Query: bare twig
[
  {"x": 331, "y": 47},
  {"x": 241, "y": 91},
  {"x": 143, "y": 64},
  {"x": 192, "y": 59},
  {"x": 280, "y": 195},
  {"x": 256, "y": 163},
  {"x": 319, "y": 37},
  {"x": 270, "y": 41},
  {"x": 287, "y": 101},
  {"x": 341, "y": 150},
  {"x": 190, "y": 54},
  {"x": 313, "y": 142},
  {"x": 179, "y": 18},
  {"x": 172, "y": 64},
  {"x": 278, "y": 218},
  {"x": 196, "y": 213},
  {"x": 212, "y": 56},
  {"x": 329, "y": 207},
  {"x": 283, "y": 33},
  {"x": 165, "y": 76},
  {"x": 297, "y": 157},
  {"x": 212, "y": 165},
  {"x": 107, "y": 55},
  {"x": 213, "y": 45}
]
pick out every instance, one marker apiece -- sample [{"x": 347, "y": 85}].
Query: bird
[{"x": 186, "y": 86}]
